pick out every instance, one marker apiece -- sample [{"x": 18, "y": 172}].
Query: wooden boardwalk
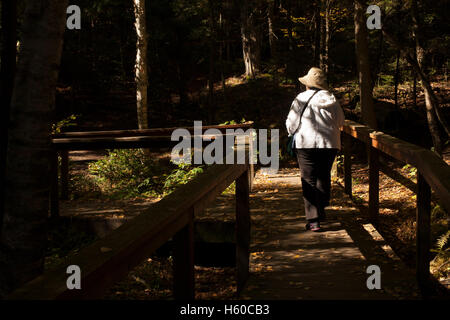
[{"x": 287, "y": 262}]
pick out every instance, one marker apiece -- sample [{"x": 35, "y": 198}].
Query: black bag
[{"x": 291, "y": 143}]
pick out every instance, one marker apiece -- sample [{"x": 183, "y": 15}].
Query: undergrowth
[{"x": 125, "y": 174}]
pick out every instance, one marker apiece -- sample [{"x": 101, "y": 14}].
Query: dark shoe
[
  {"x": 308, "y": 226},
  {"x": 314, "y": 226}
]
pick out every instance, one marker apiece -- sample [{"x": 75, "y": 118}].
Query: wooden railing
[
  {"x": 156, "y": 138},
  {"x": 432, "y": 173},
  {"x": 110, "y": 259}
]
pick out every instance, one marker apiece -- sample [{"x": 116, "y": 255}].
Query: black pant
[{"x": 315, "y": 167}]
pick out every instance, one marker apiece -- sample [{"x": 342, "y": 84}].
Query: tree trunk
[
  {"x": 270, "y": 23},
  {"x": 396, "y": 79},
  {"x": 289, "y": 25},
  {"x": 23, "y": 238},
  {"x": 414, "y": 88},
  {"x": 322, "y": 37},
  {"x": 376, "y": 80},
  {"x": 222, "y": 67},
  {"x": 419, "y": 52},
  {"x": 317, "y": 33},
  {"x": 141, "y": 76},
  {"x": 327, "y": 37},
  {"x": 7, "y": 71},
  {"x": 419, "y": 55},
  {"x": 250, "y": 38},
  {"x": 212, "y": 30},
  {"x": 363, "y": 64}
]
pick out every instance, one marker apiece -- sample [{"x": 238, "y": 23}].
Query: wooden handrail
[
  {"x": 435, "y": 171},
  {"x": 146, "y": 132},
  {"x": 125, "y": 142},
  {"x": 110, "y": 259},
  {"x": 432, "y": 173}
]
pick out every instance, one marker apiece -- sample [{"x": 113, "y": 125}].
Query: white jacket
[{"x": 319, "y": 126}]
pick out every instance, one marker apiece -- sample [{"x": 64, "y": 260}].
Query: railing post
[
  {"x": 374, "y": 186},
  {"x": 251, "y": 168},
  {"x": 54, "y": 192},
  {"x": 423, "y": 232},
  {"x": 242, "y": 230},
  {"x": 64, "y": 174},
  {"x": 346, "y": 139},
  {"x": 183, "y": 267}
]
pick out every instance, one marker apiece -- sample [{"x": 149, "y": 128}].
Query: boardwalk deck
[{"x": 290, "y": 263}]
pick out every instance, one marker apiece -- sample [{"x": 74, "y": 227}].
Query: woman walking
[{"x": 314, "y": 120}]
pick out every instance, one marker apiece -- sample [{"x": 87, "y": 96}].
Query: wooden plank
[
  {"x": 347, "y": 163},
  {"x": 54, "y": 186},
  {"x": 96, "y": 143},
  {"x": 110, "y": 259},
  {"x": 146, "y": 132},
  {"x": 374, "y": 173},
  {"x": 242, "y": 230},
  {"x": 64, "y": 154},
  {"x": 183, "y": 263},
  {"x": 423, "y": 232}
]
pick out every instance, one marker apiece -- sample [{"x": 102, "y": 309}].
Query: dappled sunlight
[{"x": 286, "y": 261}]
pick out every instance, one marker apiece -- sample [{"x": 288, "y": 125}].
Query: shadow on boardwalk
[{"x": 288, "y": 262}]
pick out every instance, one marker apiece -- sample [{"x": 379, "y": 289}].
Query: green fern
[{"x": 443, "y": 241}]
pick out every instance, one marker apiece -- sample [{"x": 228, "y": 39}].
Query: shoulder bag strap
[{"x": 306, "y": 104}]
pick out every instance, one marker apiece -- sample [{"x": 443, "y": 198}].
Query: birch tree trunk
[
  {"x": 23, "y": 237},
  {"x": 141, "y": 76},
  {"x": 363, "y": 64}
]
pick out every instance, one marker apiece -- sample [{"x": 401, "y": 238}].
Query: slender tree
[
  {"x": 363, "y": 64},
  {"x": 396, "y": 79},
  {"x": 418, "y": 52},
  {"x": 212, "y": 49},
  {"x": 141, "y": 76},
  {"x": 317, "y": 22},
  {"x": 272, "y": 10},
  {"x": 251, "y": 37},
  {"x": 326, "y": 26},
  {"x": 23, "y": 237}
]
